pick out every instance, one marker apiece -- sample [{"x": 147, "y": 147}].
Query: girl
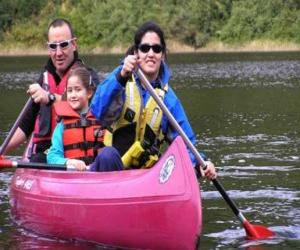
[{"x": 78, "y": 139}]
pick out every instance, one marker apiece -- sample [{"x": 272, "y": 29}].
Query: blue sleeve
[
  {"x": 174, "y": 105},
  {"x": 105, "y": 93},
  {"x": 56, "y": 151}
]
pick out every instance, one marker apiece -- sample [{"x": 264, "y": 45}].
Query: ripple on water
[
  {"x": 5, "y": 178},
  {"x": 17, "y": 80},
  {"x": 253, "y": 148},
  {"x": 279, "y": 193},
  {"x": 20, "y": 80},
  {"x": 237, "y": 236},
  {"x": 238, "y": 74}
]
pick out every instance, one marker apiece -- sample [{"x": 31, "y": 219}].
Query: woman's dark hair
[
  {"x": 149, "y": 26},
  {"x": 85, "y": 76}
]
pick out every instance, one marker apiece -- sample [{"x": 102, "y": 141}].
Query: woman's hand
[
  {"x": 76, "y": 164},
  {"x": 210, "y": 171},
  {"x": 130, "y": 64}
]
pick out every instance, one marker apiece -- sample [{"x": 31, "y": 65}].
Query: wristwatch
[{"x": 52, "y": 99}]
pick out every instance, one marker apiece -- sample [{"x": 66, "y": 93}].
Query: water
[{"x": 244, "y": 108}]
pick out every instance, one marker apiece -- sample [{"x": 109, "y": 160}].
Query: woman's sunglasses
[
  {"x": 63, "y": 45},
  {"x": 144, "y": 47}
]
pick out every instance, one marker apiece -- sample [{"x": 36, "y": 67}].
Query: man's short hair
[{"x": 60, "y": 22}]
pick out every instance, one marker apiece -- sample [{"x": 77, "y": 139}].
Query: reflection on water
[{"x": 244, "y": 109}]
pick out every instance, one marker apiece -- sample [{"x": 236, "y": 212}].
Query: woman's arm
[{"x": 105, "y": 94}]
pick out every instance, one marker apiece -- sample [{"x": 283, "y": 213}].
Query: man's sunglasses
[
  {"x": 144, "y": 47},
  {"x": 63, "y": 45}
]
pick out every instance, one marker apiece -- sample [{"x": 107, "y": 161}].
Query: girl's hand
[
  {"x": 76, "y": 164},
  {"x": 210, "y": 171},
  {"x": 130, "y": 63}
]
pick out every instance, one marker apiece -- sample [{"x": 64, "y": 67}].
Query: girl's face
[
  {"x": 77, "y": 95},
  {"x": 150, "y": 60}
]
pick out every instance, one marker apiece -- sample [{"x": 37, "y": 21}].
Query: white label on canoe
[
  {"x": 19, "y": 182},
  {"x": 167, "y": 169},
  {"x": 23, "y": 183},
  {"x": 28, "y": 184}
]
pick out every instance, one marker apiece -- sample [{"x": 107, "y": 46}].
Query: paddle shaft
[
  {"x": 190, "y": 145},
  {"x": 33, "y": 165},
  {"x": 15, "y": 126}
]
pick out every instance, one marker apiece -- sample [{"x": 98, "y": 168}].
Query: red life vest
[
  {"x": 82, "y": 136},
  {"x": 42, "y": 130}
]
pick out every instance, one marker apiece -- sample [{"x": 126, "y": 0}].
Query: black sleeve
[
  {"x": 28, "y": 121},
  {"x": 122, "y": 80}
]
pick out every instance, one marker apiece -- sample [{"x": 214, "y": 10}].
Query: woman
[{"x": 139, "y": 126}]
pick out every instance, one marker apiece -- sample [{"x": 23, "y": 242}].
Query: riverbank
[{"x": 173, "y": 47}]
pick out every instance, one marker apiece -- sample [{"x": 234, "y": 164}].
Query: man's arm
[
  {"x": 25, "y": 128},
  {"x": 18, "y": 138}
]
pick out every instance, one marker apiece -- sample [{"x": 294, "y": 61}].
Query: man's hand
[{"x": 38, "y": 94}]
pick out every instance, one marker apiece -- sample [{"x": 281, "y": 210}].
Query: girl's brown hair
[{"x": 85, "y": 76}]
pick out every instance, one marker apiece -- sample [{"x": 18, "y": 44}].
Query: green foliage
[
  {"x": 14, "y": 12},
  {"x": 268, "y": 19},
  {"x": 103, "y": 23}
]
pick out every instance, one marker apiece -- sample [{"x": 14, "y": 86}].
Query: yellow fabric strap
[
  {"x": 132, "y": 102},
  {"x": 152, "y": 115}
]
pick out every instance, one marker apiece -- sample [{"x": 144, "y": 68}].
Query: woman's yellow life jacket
[{"x": 138, "y": 123}]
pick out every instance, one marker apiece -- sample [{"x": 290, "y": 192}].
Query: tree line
[{"x": 101, "y": 23}]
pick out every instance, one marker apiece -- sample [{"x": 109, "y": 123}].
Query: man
[{"x": 40, "y": 118}]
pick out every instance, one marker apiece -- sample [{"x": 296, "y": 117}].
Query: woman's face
[{"x": 150, "y": 58}]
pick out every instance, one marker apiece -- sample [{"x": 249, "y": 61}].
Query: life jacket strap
[
  {"x": 82, "y": 123},
  {"x": 83, "y": 145}
]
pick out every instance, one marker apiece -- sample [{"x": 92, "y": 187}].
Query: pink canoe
[{"x": 157, "y": 208}]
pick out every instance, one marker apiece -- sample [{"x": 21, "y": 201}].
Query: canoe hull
[{"x": 159, "y": 208}]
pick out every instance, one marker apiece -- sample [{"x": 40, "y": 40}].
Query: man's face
[{"x": 61, "y": 47}]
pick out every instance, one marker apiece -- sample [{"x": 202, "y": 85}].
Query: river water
[{"x": 244, "y": 108}]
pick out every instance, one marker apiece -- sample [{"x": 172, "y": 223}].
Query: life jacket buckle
[
  {"x": 98, "y": 132},
  {"x": 83, "y": 123},
  {"x": 85, "y": 145},
  {"x": 129, "y": 115}
]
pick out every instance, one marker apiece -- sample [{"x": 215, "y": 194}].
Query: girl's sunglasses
[
  {"x": 63, "y": 45},
  {"x": 144, "y": 47}
]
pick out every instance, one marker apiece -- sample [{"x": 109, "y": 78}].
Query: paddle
[
  {"x": 34, "y": 165},
  {"x": 253, "y": 231},
  {"x": 14, "y": 127}
]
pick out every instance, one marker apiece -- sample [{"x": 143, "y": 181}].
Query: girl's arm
[{"x": 56, "y": 151}]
